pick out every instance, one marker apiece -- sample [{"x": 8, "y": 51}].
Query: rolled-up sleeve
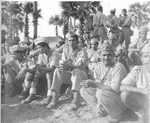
[{"x": 119, "y": 74}]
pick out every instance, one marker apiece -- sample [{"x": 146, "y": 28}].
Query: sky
[{"x": 50, "y": 8}]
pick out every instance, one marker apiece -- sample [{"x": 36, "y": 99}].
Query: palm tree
[
  {"x": 12, "y": 18},
  {"x": 57, "y": 21},
  {"x": 36, "y": 15},
  {"x": 28, "y": 9},
  {"x": 77, "y": 10},
  {"x": 141, "y": 13}
]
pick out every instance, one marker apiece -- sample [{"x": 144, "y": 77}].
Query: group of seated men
[{"x": 94, "y": 74}]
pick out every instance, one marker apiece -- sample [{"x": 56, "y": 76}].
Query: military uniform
[
  {"x": 125, "y": 23},
  {"x": 99, "y": 21},
  {"x": 137, "y": 87},
  {"x": 107, "y": 97},
  {"x": 14, "y": 71}
]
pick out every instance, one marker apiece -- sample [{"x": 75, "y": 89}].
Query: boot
[
  {"x": 29, "y": 99},
  {"x": 76, "y": 101},
  {"x": 54, "y": 100},
  {"x": 46, "y": 101}
]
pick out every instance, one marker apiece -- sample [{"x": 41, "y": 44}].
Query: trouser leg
[
  {"x": 89, "y": 95},
  {"x": 77, "y": 77},
  {"x": 59, "y": 78},
  {"x": 136, "y": 102},
  {"x": 49, "y": 77}
]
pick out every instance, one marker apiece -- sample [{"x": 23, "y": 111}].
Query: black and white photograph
[{"x": 75, "y": 61}]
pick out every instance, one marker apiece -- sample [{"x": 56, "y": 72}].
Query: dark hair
[
  {"x": 100, "y": 8},
  {"x": 124, "y": 10},
  {"x": 43, "y": 44},
  {"x": 75, "y": 37},
  {"x": 113, "y": 12}
]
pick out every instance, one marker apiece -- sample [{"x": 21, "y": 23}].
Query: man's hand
[{"x": 88, "y": 83}]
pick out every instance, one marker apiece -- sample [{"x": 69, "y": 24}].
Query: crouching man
[
  {"x": 14, "y": 65},
  {"x": 135, "y": 87},
  {"x": 104, "y": 89}
]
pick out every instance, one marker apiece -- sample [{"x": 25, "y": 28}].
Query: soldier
[
  {"x": 125, "y": 24},
  {"x": 99, "y": 22},
  {"x": 13, "y": 66},
  {"x": 103, "y": 90},
  {"x": 36, "y": 71},
  {"x": 135, "y": 86},
  {"x": 70, "y": 71},
  {"x": 114, "y": 32}
]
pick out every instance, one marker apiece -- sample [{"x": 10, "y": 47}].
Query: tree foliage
[{"x": 141, "y": 13}]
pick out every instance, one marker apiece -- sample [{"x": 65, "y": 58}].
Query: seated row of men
[{"x": 95, "y": 75}]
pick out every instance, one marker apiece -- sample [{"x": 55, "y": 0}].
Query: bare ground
[{"x": 14, "y": 112}]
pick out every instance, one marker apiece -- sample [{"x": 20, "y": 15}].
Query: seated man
[
  {"x": 103, "y": 90},
  {"x": 135, "y": 87},
  {"x": 71, "y": 69},
  {"x": 36, "y": 71},
  {"x": 93, "y": 55},
  {"x": 14, "y": 65}
]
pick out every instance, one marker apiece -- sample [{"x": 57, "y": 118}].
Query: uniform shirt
[
  {"x": 113, "y": 21},
  {"x": 139, "y": 77},
  {"x": 125, "y": 21},
  {"x": 99, "y": 19},
  {"x": 111, "y": 77},
  {"x": 93, "y": 55},
  {"x": 76, "y": 57},
  {"x": 14, "y": 64}
]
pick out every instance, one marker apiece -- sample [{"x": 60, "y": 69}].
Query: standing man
[
  {"x": 99, "y": 21},
  {"x": 114, "y": 32},
  {"x": 125, "y": 24},
  {"x": 103, "y": 90}
]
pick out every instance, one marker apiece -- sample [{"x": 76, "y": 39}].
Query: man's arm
[
  {"x": 119, "y": 74},
  {"x": 134, "y": 89}
]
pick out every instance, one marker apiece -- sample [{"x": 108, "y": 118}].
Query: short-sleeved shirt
[
  {"x": 125, "y": 21},
  {"x": 99, "y": 19},
  {"x": 93, "y": 55},
  {"x": 14, "y": 64},
  {"x": 139, "y": 77},
  {"x": 113, "y": 21},
  {"x": 111, "y": 76},
  {"x": 77, "y": 57}
]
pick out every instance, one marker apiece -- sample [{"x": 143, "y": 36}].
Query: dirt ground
[{"x": 14, "y": 112}]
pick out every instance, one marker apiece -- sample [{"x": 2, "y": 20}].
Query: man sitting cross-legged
[{"x": 104, "y": 89}]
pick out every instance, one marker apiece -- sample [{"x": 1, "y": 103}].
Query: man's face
[
  {"x": 94, "y": 45},
  {"x": 107, "y": 59},
  {"x": 40, "y": 48},
  {"x": 72, "y": 42}
]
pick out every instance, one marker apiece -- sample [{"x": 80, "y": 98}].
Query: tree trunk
[
  {"x": 56, "y": 30},
  {"x": 26, "y": 31},
  {"x": 35, "y": 20}
]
